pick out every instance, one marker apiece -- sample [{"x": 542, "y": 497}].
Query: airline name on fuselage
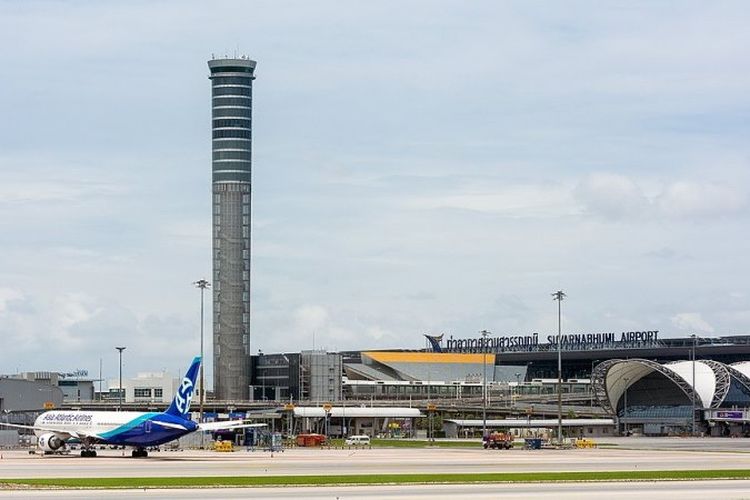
[{"x": 75, "y": 417}]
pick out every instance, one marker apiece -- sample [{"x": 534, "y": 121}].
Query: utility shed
[{"x": 356, "y": 420}]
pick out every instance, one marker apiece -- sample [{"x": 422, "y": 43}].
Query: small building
[
  {"x": 356, "y": 420},
  {"x": 146, "y": 387},
  {"x": 76, "y": 389},
  {"x": 21, "y": 401},
  {"x": 305, "y": 376},
  {"x": 522, "y": 427},
  {"x": 76, "y": 386}
]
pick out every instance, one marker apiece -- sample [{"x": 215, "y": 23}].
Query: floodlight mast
[
  {"x": 559, "y": 296},
  {"x": 692, "y": 418},
  {"x": 120, "y": 349},
  {"x": 203, "y": 285},
  {"x": 484, "y": 334}
]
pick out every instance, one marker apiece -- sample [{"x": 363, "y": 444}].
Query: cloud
[
  {"x": 310, "y": 318},
  {"x": 519, "y": 200},
  {"x": 611, "y": 195},
  {"x": 403, "y": 180},
  {"x": 686, "y": 199},
  {"x": 667, "y": 253},
  {"x": 7, "y": 295},
  {"x": 618, "y": 196},
  {"x": 692, "y": 322}
]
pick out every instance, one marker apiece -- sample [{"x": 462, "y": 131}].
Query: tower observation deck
[{"x": 231, "y": 123}]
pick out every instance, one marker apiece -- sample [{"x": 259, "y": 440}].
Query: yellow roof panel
[{"x": 429, "y": 357}]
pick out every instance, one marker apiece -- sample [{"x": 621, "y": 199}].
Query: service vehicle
[
  {"x": 498, "y": 441},
  {"x": 358, "y": 441}
]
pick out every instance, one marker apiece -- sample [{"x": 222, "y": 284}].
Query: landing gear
[
  {"x": 88, "y": 453},
  {"x": 139, "y": 453}
]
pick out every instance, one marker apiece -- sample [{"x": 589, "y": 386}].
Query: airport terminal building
[
  {"x": 511, "y": 359},
  {"x": 643, "y": 381}
]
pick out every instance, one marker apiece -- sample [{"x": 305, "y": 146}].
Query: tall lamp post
[
  {"x": 484, "y": 333},
  {"x": 202, "y": 284},
  {"x": 692, "y": 418},
  {"x": 120, "y": 349},
  {"x": 625, "y": 407},
  {"x": 559, "y": 296}
]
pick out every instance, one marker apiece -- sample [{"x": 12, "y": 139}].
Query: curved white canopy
[
  {"x": 622, "y": 375},
  {"x": 705, "y": 378},
  {"x": 743, "y": 367}
]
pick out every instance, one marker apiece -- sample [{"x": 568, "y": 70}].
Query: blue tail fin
[{"x": 181, "y": 403}]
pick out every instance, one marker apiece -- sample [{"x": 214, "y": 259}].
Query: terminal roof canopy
[{"x": 710, "y": 385}]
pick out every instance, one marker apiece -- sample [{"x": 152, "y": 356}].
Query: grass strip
[{"x": 362, "y": 479}]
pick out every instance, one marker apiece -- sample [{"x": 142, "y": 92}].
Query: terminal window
[{"x": 142, "y": 393}]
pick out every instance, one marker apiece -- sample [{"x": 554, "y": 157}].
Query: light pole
[
  {"x": 625, "y": 407},
  {"x": 263, "y": 381},
  {"x": 484, "y": 333},
  {"x": 120, "y": 349},
  {"x": 692, "y": 418},
  {"x": 202, "y": 284},
  {"x": 559, "y": 296}
]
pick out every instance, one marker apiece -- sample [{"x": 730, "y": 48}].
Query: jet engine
[{"x": 50, "y": 442}]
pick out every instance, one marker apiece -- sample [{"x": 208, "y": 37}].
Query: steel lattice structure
[
  {"x": 601, "y": 392},
  {"x": 723, "y": 381}
]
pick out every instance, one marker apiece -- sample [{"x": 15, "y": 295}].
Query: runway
[
  {"x": 685, "y": 490},
  {"x": 304, "y": 461}
]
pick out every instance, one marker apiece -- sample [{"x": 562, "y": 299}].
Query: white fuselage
[{"x": 83, "y": 422}]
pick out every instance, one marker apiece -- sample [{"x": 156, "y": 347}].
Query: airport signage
[
  {"x": 568, "y": 342},
  {"x": 730, "y": 415}
]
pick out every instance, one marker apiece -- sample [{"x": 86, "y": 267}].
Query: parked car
[{"x": 358, "y": 441}]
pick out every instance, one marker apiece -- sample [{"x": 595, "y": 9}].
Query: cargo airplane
[{"x": 139, "y": 430}]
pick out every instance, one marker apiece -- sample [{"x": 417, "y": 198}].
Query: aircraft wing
[
  {"x": 226, "y": 425},
  {"x": 32, "y": 427},
  {"x": 58, "y": 432}
]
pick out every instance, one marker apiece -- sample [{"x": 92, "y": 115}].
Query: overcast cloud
[{"x": 419, "y": 167}]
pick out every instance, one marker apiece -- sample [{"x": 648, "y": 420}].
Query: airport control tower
[{"x": 231, "y": 114}]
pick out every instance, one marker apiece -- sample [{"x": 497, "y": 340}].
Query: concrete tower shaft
[{"x": 231, "y": 123}]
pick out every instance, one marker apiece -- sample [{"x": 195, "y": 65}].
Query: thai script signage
[{"x": 568, "y": 342}]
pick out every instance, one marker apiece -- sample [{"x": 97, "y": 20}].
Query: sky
[{"x": 419, "y": 167}]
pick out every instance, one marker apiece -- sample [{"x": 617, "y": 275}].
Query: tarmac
[
  {"x": 684, "y": 490},
  {"x": 646, "y": 454}
]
